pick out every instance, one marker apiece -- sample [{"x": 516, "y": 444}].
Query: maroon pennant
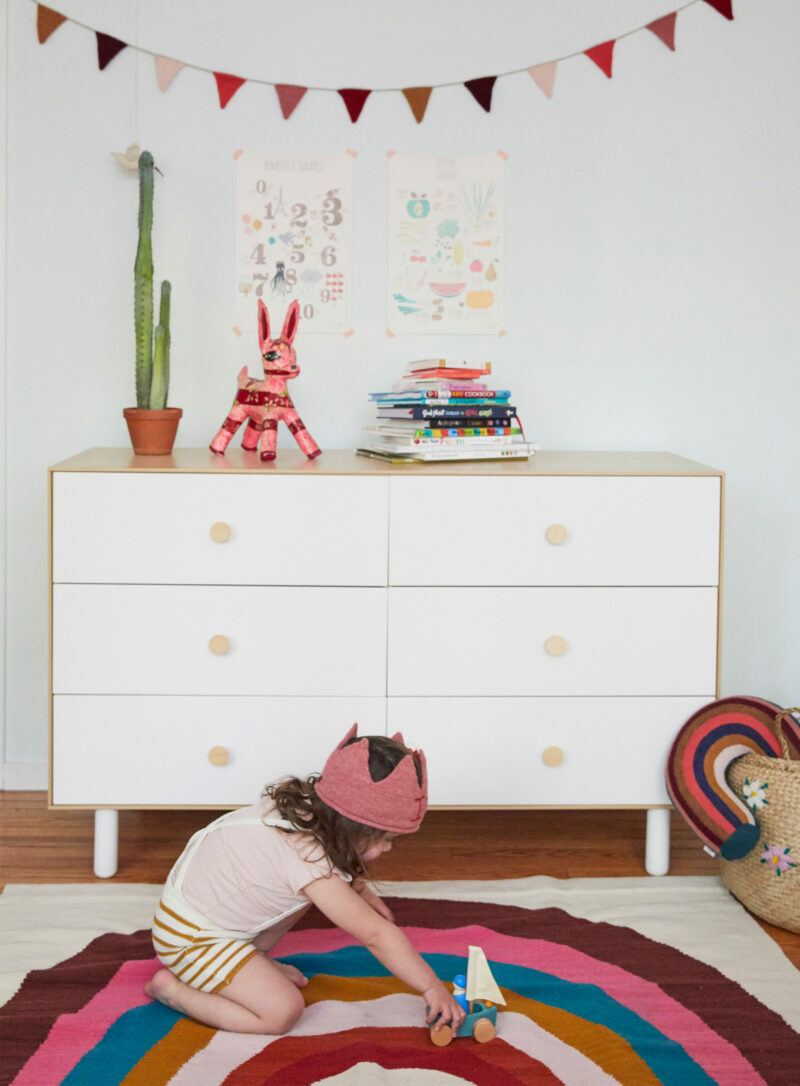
[
  {"x": 724, "y": 7},
  {"x": 107, "y": 48},
  {"x": 289, "y": 97},
  {"x": 665, "y": 29},
  {"x": 602, "y": 55},
  {"x": 227, "y": 86},
  {"x": 481, "y": 90},
  {"x": 354, "y": 99}
]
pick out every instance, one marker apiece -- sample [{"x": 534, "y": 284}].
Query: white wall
[{"x": 652, "y": 240}]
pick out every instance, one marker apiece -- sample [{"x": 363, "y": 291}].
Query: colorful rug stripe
[
  {"x": 124, "y": 1044},
  {"x": 168, "y": 1056},
  {"x": 496, "y": 1062},
  {"x": 714, "y": 1054}
]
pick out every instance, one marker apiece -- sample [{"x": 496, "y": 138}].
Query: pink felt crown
[{"x": 397, "y": 803}]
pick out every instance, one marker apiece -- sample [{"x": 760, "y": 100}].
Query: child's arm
[
  {"x": 345, "y": 908},
  {"x": 366, "y": 893}
]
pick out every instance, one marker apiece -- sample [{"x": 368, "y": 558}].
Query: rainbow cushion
[{"x": 703, "y": 749}]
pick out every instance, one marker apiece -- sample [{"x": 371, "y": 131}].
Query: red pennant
[
  {"x": 665, "y": 29},
  {"x": 289, "y": 97},
  {"x": 481, "y": 90},
  {"x": 354, "y": 99},
  {"x": 227, "y": 86},
  {"x": 724, "y": 7},
  {"x": 107, "y": 48},
  {"x": 47, "y": 21},
  {"x": 602, "y": 55}
]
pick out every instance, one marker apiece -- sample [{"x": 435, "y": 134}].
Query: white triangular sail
[{"x": 480, "y": 982}]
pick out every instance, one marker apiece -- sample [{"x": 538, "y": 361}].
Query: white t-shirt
[{"x": 249, "y": 875}]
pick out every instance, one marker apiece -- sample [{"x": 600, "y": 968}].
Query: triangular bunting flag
[
  {"x": 289, "y": 97},
  {"x": 417, "y": 98},
  {"x": 227, "y": 86},
  {"x": 602, "y": 55},
  {"x": 166, "y": 70},
  {"x": 481, "y": 90},
  {"x": 47, "y": 21},
  {"x": 107, "y": 48},
  {"x": 544, "y": 75},
  {"x": 724, "y": 7},
  {"x": 354, "y": 99},
  {"x": 665, "y": 29}
]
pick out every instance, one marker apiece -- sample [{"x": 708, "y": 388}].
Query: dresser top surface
[{"x": 346, "y": 462}]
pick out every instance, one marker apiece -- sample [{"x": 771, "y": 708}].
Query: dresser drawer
[
  {"x": 606, "y": 530},
  {"x": 552, "y": 641},
  {"x": 153, "y": 528},
  {"x": 494, "y": 751},
  {"x": 161, "y": 751},
  {"x": 179, "y": 639}
]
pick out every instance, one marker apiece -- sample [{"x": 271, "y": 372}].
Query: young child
[{"x": 246, "y": 879}]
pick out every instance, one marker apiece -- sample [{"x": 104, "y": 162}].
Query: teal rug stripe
[
  {"x": 668, "y": 1061},
  {"x": 125, "y": 1042}
]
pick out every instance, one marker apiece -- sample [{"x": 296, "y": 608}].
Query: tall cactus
[
  {"x": 143, "y": 284},
  {"x": 160, "y": 384}
]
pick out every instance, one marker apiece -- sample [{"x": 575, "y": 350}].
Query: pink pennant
[
  {"x": 107, "y": 48},
  {"x": 289, "y": 97},
  {"x": 665, "y": 29},
  {"x": 227, "y": 86},
  {"x": 602, "y": 55},
  {"x": 724, "y": 7},
  {"x": 166, "y": 70},
  {"x": 544, "y": 75},
  {"x": 354, "y": 99}
]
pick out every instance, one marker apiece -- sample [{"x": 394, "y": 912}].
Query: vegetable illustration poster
[
  {"x": 446, "y": 269},
  {"x": 293, "y": 237}
]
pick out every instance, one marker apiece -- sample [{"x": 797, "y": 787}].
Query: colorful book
[
  {"x": 459, "y": 411},
  {"x": 411, "y": 384},
  {"x": 513, "y": 452},
  {"x": 458, "y": 374},
  {"x": 450, "y": 431},
  {"x": 408, "y": 444},
  {"x": 425, "y": 396},
  {"x": 448, "y": 363}
]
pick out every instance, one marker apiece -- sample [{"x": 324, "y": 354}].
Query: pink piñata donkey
[{"x": 263, "y": 403}]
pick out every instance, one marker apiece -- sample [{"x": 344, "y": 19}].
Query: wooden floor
[{"x": 37, "y": 845}]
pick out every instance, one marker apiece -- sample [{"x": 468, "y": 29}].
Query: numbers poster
[
  {"x": 446, "y": 267},
  {"x": 293, "y": 238}
]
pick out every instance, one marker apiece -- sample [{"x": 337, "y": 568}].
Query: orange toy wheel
[
  {"x": 443, "y": 1036},
  {"x": 483, "y": 1031}
]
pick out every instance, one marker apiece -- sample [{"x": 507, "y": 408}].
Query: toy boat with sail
[{"x": 482, "y": 994}]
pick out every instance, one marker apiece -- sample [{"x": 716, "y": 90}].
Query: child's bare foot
[
  {"x": 165, "y": 987},
  {"x": 291, "y": 973}
]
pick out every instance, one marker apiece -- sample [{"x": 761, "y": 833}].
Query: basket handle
[{"x": 776, "y": 727}]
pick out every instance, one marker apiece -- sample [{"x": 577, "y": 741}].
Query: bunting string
[{"x": 418, "y": 98}]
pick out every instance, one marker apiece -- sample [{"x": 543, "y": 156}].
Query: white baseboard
[{"x": 25, "y": 776}]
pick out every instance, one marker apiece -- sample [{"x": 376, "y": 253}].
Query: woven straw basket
[{"x": 767, "y": 879}]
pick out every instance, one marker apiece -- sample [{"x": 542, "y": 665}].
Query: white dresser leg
[
  {"x": 656, "y": 853},
  {"x": 106, "y": 825}
]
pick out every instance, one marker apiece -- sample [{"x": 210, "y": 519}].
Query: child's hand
[{"x": 443, "y": 1007}]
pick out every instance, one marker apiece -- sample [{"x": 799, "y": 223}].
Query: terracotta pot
[{"x": 152, "y": 432}]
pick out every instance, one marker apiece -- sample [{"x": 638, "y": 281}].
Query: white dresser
[{"x": 542, "y": 628}]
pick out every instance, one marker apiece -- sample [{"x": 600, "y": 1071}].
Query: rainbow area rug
[{"x": 630, "y": 981}]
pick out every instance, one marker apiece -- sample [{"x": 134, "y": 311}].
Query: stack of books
[{"x": 445, "y": 410}]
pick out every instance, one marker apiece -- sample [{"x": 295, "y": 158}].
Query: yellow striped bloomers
[{"x": 204, "y": 958}]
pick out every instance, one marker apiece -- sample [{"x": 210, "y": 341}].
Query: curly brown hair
[{"x": 341, "y": 839}]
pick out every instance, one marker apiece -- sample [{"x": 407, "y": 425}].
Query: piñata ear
[
  {"x": 263, "y": 325},
  {"x": 291, "y": 321}
]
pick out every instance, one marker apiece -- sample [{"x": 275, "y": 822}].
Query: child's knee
[{"x": 283, "y": 1018}]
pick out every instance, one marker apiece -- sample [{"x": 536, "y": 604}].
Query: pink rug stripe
[
  {"x": 713, "y": 1053},
  {"x": 73, "y": 1035}
]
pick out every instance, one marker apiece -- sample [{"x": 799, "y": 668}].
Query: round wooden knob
[
  {"x": 220, "y": 532},
  {"x": 555, "y": 645},
  {"x": 552, "y": 756},
  {"x": 218, "y": 756},
  {"x": 219, "y": 644},
  {"x": 556, "y": 533}
]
